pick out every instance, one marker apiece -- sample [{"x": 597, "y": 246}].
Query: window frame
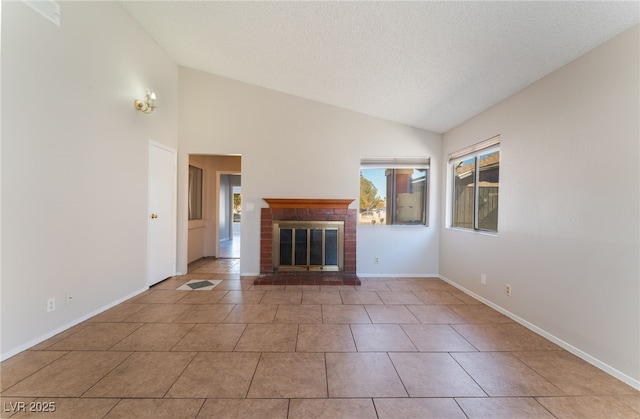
[
  {"x": 474, "y": 152},
  {"x": 395, "y": 164}
]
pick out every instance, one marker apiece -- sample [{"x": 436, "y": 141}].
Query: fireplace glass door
[{"x": 308, "y": 245}]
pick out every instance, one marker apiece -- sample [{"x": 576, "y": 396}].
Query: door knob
[{"x": 154, "y": 216}]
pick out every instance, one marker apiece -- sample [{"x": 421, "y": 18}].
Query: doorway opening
[
  {"x": 230, "y": 216},
  {"x": 214, "y": 224}
]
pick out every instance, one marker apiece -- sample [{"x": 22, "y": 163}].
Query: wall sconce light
[{"x": 148, "y": 104}]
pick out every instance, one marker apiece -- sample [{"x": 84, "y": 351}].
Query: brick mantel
[{"x": 285, "y": 209}]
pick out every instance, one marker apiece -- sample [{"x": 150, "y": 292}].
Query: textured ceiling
[{"x": 431, "y": 65}]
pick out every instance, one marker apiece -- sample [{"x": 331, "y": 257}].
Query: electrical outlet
[
  {"x": 507, "y": 289},
  {"x": 68, "y": 298},
  {"x": 51, "y": 304},
  {"x": 376, "y": 259},
  {"x": 483, "y": 279}
]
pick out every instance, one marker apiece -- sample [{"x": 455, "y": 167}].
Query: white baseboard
[
  {"x": 565, "y": 345},
  {"x": 12, "y": 352}
]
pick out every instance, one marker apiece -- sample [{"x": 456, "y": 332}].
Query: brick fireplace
[{"x": 304, "y": 210}]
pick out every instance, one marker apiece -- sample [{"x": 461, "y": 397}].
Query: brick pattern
[{"x": 269, "y": 215}]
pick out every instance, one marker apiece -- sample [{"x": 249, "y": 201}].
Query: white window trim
[
  {"x": 395, "y": 163},
  {"x": 483, "y": 146}
]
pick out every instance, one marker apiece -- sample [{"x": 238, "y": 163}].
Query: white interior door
[{"x": 161, "y": 247}]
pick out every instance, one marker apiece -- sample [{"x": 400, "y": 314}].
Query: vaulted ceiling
[{"x": 430, "y": 65}]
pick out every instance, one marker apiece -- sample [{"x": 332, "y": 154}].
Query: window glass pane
[
  {"x": 286, "y": 235},
  {"x": 393, "y": 196},
  {"x": 463, "y": 193},
  {"x": 411, "y": 186},
  {"x": 301, "y": 247},
  {"x": 316, "y": 247},
  {"x": 331, "y": 247},
  {"x": 373, "y": 193},
  {"x": 488, "y": 185},
  {"x": 237, "y": 204},
  {"x": 195, "y": 193}
]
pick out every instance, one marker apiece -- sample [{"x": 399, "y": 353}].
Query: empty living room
[{"x": 440, "y": 211}]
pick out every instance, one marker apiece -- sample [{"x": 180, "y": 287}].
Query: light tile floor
[
  {"x": 230, "y": 248},
  {"x": 390, "y": 348}
]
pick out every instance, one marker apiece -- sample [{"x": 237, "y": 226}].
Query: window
[
  {"x": 476, "y": 182},
  {"x": 195, "y": 193},
  {"x": 237, "y": 204},
  {"x": 393, "y": 191}
]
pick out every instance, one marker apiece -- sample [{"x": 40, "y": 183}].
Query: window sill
[
  {"x": 480, "y": 232},
  {"x": 193, "y": 224}
]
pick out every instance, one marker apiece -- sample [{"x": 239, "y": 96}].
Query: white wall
[
  {"x": 74, "y": 162},
  {"x": 296, "y": 148},
  {"x": 569, "y": 220}
]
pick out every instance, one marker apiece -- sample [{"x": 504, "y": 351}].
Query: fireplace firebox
[{"x": 308, "y": 245}]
